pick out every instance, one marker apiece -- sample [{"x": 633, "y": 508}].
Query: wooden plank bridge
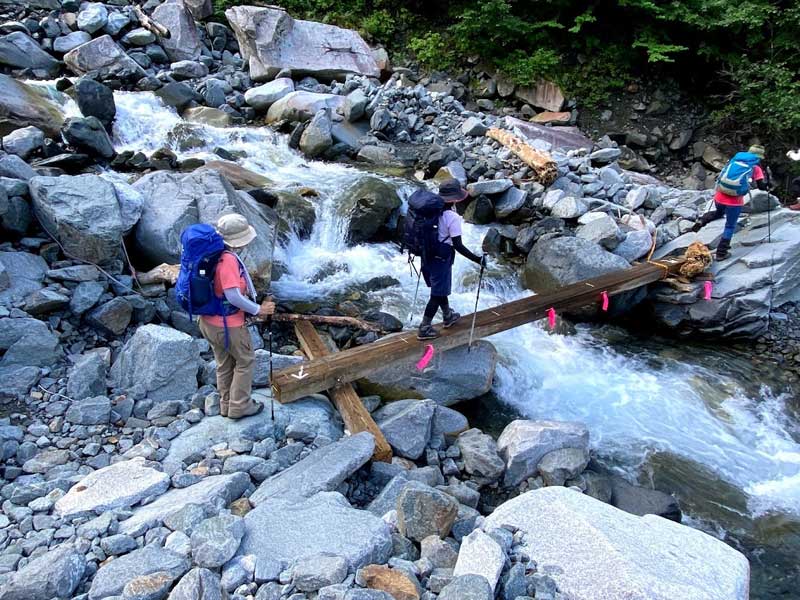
[{"x": 333, "y": 371}]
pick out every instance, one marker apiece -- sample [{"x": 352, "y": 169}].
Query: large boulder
[
  {"x": 271, "y": 40},
  {"x": 23, "y": 274},
  {"x": 95, "y": 100},
  {"x": 287, "y": 530},
  {"x": 593, "y": 550},
  {"x": 321, "y": 471},
  {"x": 22, "y": 105},
  {"x": 406, "y": 424},
  {"x": 121, "y": 485},
  {"x": 301, "y": 106},
  {"x": 88, "y": 135},
  {"x": 82, "y": 212},
  {"x": 368, "y": 205},
  {"x": 104, "y": 57},
  {"x": 553, "y": 263},
  {"x": 20, "y": 51},
  {"x": 27, "y": 343},
  {"x": 453, "y": 376},
  {"x": 524, "y": 443},
  {"x": 314, "y": 414},
  {"x": 210, "y": 494},
  {"x": 160, "y": 361},
  {"x": 200, "y": 9},
  {"x": 263, "y": 96},
  {"x": 112, "y": 577},
  {"x": 183, "y": 42},
  {"x": 54, "y": 574},
  {"x": 173, "y": 201},
  {"x": 762, "y": 274},
  {"x": 545, "y": 95}
]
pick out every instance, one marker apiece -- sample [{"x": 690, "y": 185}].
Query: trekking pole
[
  {"x": 271, "y": 387},
  {"x": 477, "y": 297},
  {"x": 416, "y": 292}
]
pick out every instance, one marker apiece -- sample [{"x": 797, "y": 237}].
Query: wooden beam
[
  {"x": 321, "y": 320},
  {"x": 354, "y": 414},
  {"x": 333, "y": 370}
]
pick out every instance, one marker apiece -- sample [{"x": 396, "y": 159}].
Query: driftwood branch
[
  {"x": 148, "y": 23},
  {"x": 321, "y": 320},
  {"x": 163, "y": 273},
  {"x": 544, "y": 167}
]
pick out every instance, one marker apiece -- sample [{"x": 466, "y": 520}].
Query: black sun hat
[{"x": 451, "y": 191}]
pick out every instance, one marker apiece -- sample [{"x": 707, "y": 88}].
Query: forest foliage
[{"x": 739, "y": 54}]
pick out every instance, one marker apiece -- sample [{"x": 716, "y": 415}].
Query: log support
[{"x": 354, "y": 414}]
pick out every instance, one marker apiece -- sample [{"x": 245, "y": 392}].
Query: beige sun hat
[{"x": 235, "y": 230}]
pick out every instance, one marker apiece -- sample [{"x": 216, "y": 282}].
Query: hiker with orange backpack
[{"x": 732, "y": 185}]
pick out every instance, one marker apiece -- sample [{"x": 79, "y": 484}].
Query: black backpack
[{"x": 421, "y": 232}]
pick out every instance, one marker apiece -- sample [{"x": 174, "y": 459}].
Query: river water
[{"x": 705, "y": 422}]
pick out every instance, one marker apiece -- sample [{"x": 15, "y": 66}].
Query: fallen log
[
  {"x": 163, "y": 273},
  {"x": 321, "y": 320},
  {"x": 544, "y": 167},
  {"x": 152, "y": 26}
]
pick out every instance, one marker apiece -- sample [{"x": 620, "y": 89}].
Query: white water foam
[{"x": 632, "y": 405}]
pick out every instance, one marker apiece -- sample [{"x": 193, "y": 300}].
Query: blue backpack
[
  {"x": 734, "y": 180},
  {"x": 421, "y": 231},
  {"x": 202, "y": 247}
]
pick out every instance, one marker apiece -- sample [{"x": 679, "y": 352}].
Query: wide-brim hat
[
  {"x": 235, "y": 230},
  {"x": 758, "y": 150},
  {"x": 451, "y": 191}
]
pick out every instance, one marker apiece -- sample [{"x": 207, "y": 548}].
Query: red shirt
[
  {"x": 720, "y": 198},
  {"x": 228, "y": 276}
]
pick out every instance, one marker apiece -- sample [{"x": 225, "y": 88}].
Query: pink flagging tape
[
  {"x": 426, "y": 358},
  {"x": 551, "y": 318},
  {"x": 604, "y": 298},
  {"x": 708, "y": 287}
]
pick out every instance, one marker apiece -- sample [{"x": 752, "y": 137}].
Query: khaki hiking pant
[{"x": 235, "y": 366}]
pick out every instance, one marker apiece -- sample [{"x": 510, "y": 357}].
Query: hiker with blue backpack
[
  {"x": 433, "y": 232},
  {"x": 214, "y": 284},
  {"x": 732, "y": 186}
]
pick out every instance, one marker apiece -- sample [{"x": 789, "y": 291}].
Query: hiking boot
[
  {"x": 451, "y": 317},
  {"x": 426, "y": 331},
  {"x": 253, "y": 409},
  {"x": 723, "y": 250}
]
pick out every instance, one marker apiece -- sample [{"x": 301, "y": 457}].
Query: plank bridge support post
[{"x": 354, "y": 414}]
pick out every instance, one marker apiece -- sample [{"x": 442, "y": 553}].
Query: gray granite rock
[
  {"x": 480, "y": 454},
  {"x": 56, "y": 573},
  {"x": 558, "y": 466},
  {"x": 216, "y": 540},
  {"x": 87, "y": 378},
  {"x": 406, "y": 424},
  {"x": 423, "y": 511},
  {"x": 467, "y": 587},
  {"x": 289, "y": 530},
  {"x": 452, "y": 376},
  {"x": 480, "y": 555},
  {"x": 322, "y": 470},
  {"x": 263, "y": 96},
  {"x": 162, "y": 361},
  {"x": 198, "y": 584},
  {"x": 89, "y": 411},
  {"x": 211, "y": 494},
  {"x": 579, "y": 541},
  {"x": 315, "y": 572},
  {"x": 121, "y": 485},
  {"x": 184, "y": 42},
  {"x": 112, "y": 577},
  {"x": 523, "y": 443}
]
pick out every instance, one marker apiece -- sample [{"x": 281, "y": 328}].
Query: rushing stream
[{"x": 700, "y": 421}]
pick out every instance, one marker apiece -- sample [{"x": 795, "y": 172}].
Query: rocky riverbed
[{"x": 121, "y": 480}]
